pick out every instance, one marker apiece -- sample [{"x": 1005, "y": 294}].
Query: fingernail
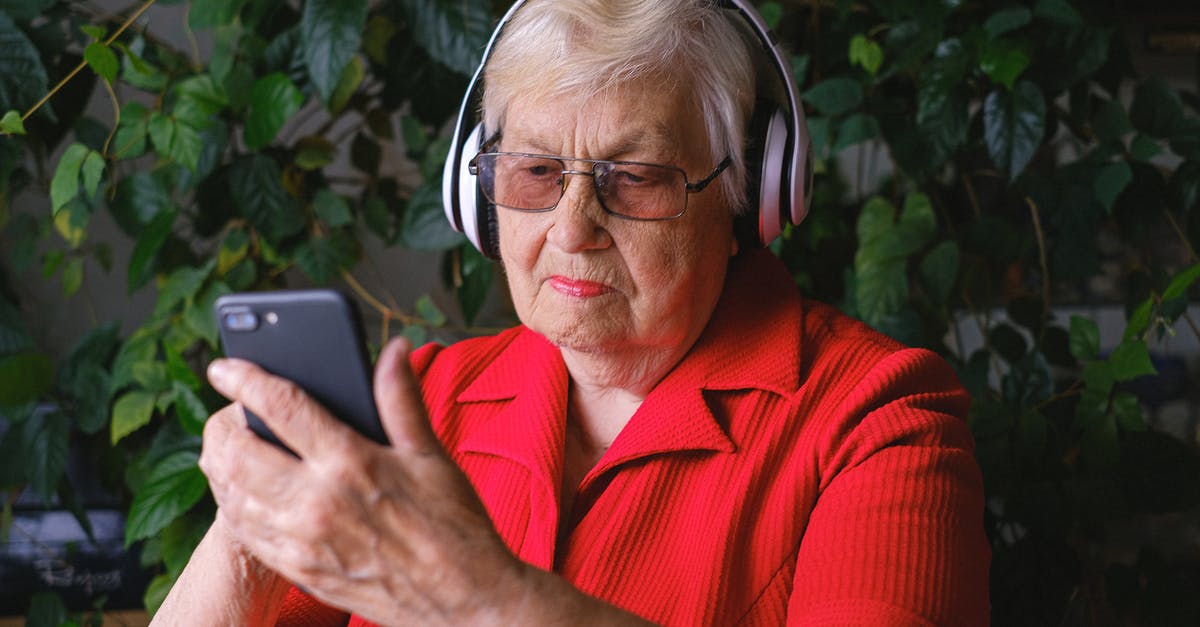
[{"x": 218, "y": 372}]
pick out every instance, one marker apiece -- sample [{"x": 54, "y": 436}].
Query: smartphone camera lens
[{"x": 239, "y": 320}]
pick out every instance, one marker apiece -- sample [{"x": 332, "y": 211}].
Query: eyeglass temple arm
[{"x": 699, "y": 186}]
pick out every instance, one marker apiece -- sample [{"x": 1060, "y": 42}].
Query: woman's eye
[{"x": 540, "y": 172}]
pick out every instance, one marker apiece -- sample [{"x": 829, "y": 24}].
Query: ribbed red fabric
[{"x": 795, "y": 468}]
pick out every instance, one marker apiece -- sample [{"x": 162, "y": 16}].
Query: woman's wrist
[{"x": 537, "y": 597}]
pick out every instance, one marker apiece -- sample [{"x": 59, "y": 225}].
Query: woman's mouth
[{"x": 577, "y": 288}]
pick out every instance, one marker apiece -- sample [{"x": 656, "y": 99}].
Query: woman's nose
[{"x": 579, "y": 219}]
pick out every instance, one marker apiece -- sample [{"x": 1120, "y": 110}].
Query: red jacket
[{"x": 796, "y": 467}]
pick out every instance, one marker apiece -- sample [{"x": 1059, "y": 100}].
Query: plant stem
[
  {"x": 1041, "y": 242},
  {"x": 82, "y": 64},
  {"x": 1182, "y": 236},
  {"x": 116, "y": 115},
  {"x": 384, "y": 310}
]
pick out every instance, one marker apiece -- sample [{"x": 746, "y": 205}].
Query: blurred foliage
[{"x": 980, "y": 166}]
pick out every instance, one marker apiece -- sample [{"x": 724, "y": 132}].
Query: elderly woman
[{"x": 671, "y": 435}]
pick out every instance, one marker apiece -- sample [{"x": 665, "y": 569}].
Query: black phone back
[{"x": 312, "y": 337}]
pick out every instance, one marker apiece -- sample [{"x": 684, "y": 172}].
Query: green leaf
[
  {"x": 12, "y": 123},
  {"x": 131, "y": 412},
  {"x": 1085, "y": 338},
  {"x": 1111, "y": 122},
  {"x": 157, "y": 591},
  {"x": 181, "y": 286},
  {"x": 197, "y": 100},
  {"x": 24, "y": 377},
  {"x": 940, "y": 78},
  {"x": 140, "y": 348},
  {"x": 1131, "y": 359},
  {"x": 771, "y": 12},
  {"x": 25, "y": 10},
  {"x": 1128, "y": 412},
  {"x": 46, "y": 440},
  {"x": 1059, "y": 11},
  {"x": 429, "y": 311},
  {"x": 835, "y": 96},
  {"x": 189, "y": 408},
  {"x": 147, "y": 247},
  {"x": 348, "y": 84},
  {"x": 89, "y": 388},
  {"x": 1007, "y": 20},
  {"x": 453, "y": 32},
  {"x": 875, "y": 220},
  {"x": 139, "y": 199},
  {"x": 424, "y": 226},
  {"x": 866, "y": 54},
  {"x": 199, "y": 317},
  {"x": 140, "y": 73},
  {"x": 93, "y": 171},
  {"x": 273, "y": 101},
  {"x": 46, "y": 609},
  {"x": 179, "y": 541},
  {"x": 476, "y": 281},
  {"x": 856, "y": 129},
  {"x": 162, "y": 132},
  {"x": 233, "y": 250},
  {"x": 1110, "y": 181},
  {"x": 71, "y": 222},
  {"x": 72, "y": 276},
  {"x": 102, "y": 60},
  {"x": 1003, "y": 61},
  {"x": 939, "y": 271},
  {"x": 322, "y": 258},
  {"x": 416, "y": 138},
  {"x": 331, "y": 31},
  {"x": 1181, "y": 282},
  {"x": 1142, "y": 149},
  {"x": 64, "y": 187},
  {"x": 1185, "y": 187},
  {"x": 174, "y": 485},
  {"x": 14, "y": 336},
  {"x": 379, "y": 33},
  {"x": 332, "y": 209},
  {"x": 23, "y": 78},
  {"x": 1014, "y": 123},
  {"x": 1156, "y": 109},
  {"x": 256, "y": 188},
  {"x": 213, "y": 13}
]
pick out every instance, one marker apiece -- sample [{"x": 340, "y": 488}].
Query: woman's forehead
[{"x": 622, "y": 120}]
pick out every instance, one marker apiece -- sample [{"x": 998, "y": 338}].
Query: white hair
[{"x": 599, "y": 45}]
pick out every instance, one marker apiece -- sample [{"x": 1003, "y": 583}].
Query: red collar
[{"x": 752, "y": 342}]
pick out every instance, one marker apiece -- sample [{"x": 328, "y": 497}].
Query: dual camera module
[{"x": 244, "y": 319}]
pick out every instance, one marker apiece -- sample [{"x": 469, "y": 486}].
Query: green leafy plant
[{"x": 982, "y": 168}]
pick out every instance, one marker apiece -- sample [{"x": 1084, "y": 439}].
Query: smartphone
[{"x": 312, "y": 337}]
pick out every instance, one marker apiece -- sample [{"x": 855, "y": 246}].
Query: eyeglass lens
[{"x": 532, "y": 183}]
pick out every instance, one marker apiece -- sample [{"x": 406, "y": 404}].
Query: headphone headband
[{"x": 784, "y": 182}]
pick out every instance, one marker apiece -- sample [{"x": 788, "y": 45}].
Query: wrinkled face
[{"x": 594, "y": 282}]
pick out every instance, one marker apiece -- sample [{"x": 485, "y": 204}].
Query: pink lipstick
[{"x": 576, "y": 287}]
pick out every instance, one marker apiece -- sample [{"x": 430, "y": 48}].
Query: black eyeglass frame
[{"x": 688, "y": 186}]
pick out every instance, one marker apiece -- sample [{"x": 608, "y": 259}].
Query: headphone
[{"x": 778, "y": 154}]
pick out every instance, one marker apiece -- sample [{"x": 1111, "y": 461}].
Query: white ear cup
[
  {"x": 468, "y": 191},
  {"x": 771, "y": 191}
]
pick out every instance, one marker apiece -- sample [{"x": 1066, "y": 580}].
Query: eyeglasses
[{"x": 628, "y": 189}]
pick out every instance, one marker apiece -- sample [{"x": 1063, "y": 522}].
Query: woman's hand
[{"x": 395, "y": 535}]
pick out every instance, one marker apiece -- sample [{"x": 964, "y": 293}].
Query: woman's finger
[
  {"x": 290, "y": 413},
  {"x": 398, "y": 398}
]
